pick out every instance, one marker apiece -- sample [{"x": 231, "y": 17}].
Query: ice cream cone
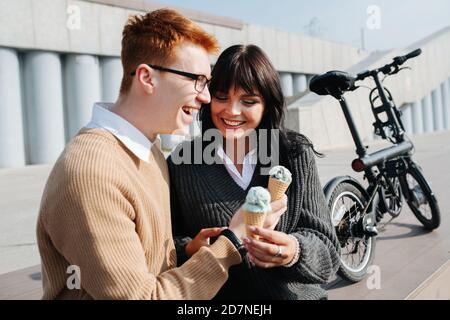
[
  {"x": 277, "y": 188},
  {"x": 256, "y": 206},
  {"x": 254, "y": 219}
]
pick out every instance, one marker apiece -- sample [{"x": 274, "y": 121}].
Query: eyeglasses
[{"x": 201, "y": 81}]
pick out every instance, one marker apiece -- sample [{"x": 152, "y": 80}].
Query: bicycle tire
[
  {"x": 345, "y": 271},
  {"x": 416, "y": 173}
]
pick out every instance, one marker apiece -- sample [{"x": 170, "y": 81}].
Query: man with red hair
[{"x": 105, "y": 211}]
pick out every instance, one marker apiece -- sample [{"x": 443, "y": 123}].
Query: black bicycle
[{"x": 391, "y": 173}]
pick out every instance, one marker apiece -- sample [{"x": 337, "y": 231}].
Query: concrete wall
[{"x": 95, "y": 28}]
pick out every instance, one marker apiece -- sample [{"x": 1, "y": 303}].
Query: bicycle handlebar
[
  {"x": 362, "y": 75},
  {"x": 402, "y": 59},
  {"x": 414, "y": 54},
  {"x": 398, "y": 61}
]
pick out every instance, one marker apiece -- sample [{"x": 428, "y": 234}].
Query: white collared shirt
[
  {"x": 128, "y": 134},
  {"x": 248, "y": 167}
]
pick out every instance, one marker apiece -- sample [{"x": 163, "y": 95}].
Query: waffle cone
[
  {"x": 254, "y": 219},
  {"x": 277, "y": 188}
]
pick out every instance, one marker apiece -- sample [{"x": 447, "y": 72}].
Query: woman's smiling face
[{"x": 236, "y": 112}]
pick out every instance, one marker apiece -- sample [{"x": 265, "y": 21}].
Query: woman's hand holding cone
[{"x": 279, "y": 207}]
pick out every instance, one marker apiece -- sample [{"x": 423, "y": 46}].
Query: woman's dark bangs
[{"x": 236, "y": 74}]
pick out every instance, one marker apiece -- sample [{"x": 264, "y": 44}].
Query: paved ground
[
  {"x": 406, "y": 255},
  {"x": 20, "y": 193}
]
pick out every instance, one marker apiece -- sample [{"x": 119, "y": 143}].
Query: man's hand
[{"x": 202, "y": 239}]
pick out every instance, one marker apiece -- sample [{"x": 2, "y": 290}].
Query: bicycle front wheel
[{"x": 420, "y": 198}]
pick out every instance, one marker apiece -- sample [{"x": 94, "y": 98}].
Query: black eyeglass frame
[{"x": 189, "y": 75}]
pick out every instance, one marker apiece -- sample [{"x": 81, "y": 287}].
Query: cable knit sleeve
[{"x": 319, "y": 246}]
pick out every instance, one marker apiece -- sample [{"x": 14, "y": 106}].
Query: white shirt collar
[
  {"x": 248, "y": 168},
  {"x": 128, "y": 134}
]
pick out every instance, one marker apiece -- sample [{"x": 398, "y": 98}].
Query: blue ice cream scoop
[
  {"x": 281, "y": 173},
  {"x": 257, "y": 200}
]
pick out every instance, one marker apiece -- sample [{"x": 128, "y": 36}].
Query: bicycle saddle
[{"x": 332, "y": 82}]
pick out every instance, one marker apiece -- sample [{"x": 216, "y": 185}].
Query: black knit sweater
[{"x": 205, "y": 196}]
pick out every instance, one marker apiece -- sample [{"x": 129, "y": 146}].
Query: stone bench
[{"x": 24, "y": 284}]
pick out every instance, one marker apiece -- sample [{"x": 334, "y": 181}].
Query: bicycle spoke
[
  {"x": 354, "y": 250},
  {"x": 423, "y": 208}
]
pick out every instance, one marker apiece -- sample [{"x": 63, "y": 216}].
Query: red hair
[{"x": 153, "y": 37}]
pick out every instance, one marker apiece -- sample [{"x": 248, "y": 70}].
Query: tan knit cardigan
[{"x": 106, "y": 213}]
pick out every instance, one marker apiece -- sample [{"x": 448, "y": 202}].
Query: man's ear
[{"x": 146, "y": 78}]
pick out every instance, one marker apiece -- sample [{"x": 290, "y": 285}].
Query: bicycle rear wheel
[
  {"x": 346, "y": 205},
  {"x": 420, "y": 198}
]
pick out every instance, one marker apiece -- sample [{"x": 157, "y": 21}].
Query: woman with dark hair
[{"x": 299, "y": 250}]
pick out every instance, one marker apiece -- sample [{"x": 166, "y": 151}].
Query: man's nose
[{"x": 204, "y": 96}]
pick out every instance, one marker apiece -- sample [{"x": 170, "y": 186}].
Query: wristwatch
[{"x": 235, "y": 241}]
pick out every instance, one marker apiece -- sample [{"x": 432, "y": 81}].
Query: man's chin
[{"x": 181, "y": 131}]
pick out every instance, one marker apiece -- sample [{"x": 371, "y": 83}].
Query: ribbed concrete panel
[
  {"x": 416, "y": 109},
  {"x": 283, "y": 47},
  {"x": 82, "y": 76},
  {"x": 225, "y": 36},
  {"x": 300, "y": 83},
  {"x": 44, "y": 107},
  {"x": 407, "y": 118},
  {"x": 84, "y": 34},
  {"x": 111, "y": 22},
  {"x": 287, "y": 84},
  {"x": 295, "y": 51},
  {"x": 438, "y": 120},
  {"x": 448, "y": 88},
  {"x": 12, "y": 152},
  {"x": 111, "y": 77},
  {"x": 318, "y": 55},
  {"x": 255, "y": 36},
  {"x": 427, "y": 114},
  {"x": 50, "y": 24},
  {"x": 445, "y": 88},
  {"x": 269, "y": 36},
  {"x": 307, "y": 55},
  {"x": 308, "y": 79}
]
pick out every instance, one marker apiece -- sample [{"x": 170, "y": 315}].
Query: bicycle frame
[{"x": 365, "y": 161}]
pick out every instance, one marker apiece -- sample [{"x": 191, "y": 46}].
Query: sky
[{"x": 386, "y": 23}]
